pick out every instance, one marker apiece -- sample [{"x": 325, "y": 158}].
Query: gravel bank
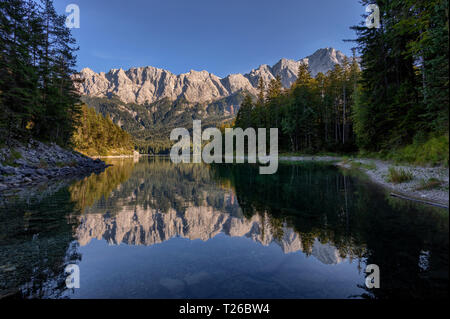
[
  {"x": 34, "y": 163},
  {"x": 378, "y": 172}
]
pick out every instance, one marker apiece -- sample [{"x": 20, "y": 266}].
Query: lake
[{"x": 154, "y": 229}]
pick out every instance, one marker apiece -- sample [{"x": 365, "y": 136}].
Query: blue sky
[{"x": 222, "y": 37}]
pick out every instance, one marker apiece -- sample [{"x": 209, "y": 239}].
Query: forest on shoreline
[
  {"x": 390, "y": 102},
  {"x": 38, "y": 99}
]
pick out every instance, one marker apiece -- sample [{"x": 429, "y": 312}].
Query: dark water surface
[{"x": 153, "y": 229}]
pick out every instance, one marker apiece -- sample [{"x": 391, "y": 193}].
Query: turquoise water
[{"x": 153, "y": 229}]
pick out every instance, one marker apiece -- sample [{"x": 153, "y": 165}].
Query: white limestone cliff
[{"x": 145, "y": 85}]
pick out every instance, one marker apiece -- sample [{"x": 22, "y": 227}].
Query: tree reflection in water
[{"x": 313, "y": 208}]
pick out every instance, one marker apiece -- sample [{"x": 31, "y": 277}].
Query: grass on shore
[
  {"x": 434, "y": 151},
  {"x": 423, "y": 151},
  {"x": 398, "y": 176}
]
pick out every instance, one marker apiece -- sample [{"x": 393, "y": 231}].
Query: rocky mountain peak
[
  {"x": 323, "y": 60},
  {"x": 149, "y": 84}
]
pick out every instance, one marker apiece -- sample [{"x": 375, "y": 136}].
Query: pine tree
[
  {"x": 37, "y": 61},
  {"x": 429, "y": 20},
  {"x": 261, "y": 92},
  {"x": 272, "y": 109},
  {"x": 244, "y": 116},
  {"x": 303, "y": 75},
  {"x": 18, "y": 82},
  {"x": 274, "y": 89},
  {"x": 401, "y": 93}
]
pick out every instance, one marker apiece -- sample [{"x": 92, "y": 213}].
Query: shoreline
[
  {"x": 114, "y": 156},
  {"x": 29, "y": 164},
  {"x": 134, "y": 155},
  {"x": 377, "y": 171},
  {"x": 39, "y": 163}
]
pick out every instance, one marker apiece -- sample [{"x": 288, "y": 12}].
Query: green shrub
[
  {"x": 434, "y": 151},
  {"x": 397, "y": 176}
]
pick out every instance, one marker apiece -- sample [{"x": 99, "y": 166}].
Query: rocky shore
[
  {"x": 414, "y": 189},
  {"x": 32, "y": 163},
  {"x": 378, "y": 171}
]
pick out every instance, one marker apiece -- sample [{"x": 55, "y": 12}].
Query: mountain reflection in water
[
  {"x": 149, "y": 227},
  {"x": 327, "y": 224}
]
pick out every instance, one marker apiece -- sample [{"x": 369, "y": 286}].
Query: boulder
[
  {"x": 7, "y": 170},
  {"x": 65, "y": 170},
  {"x": 28, "y": 172},
  {"x": 21, "y": 162}
]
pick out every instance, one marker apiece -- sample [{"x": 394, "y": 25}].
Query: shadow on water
[
  {"x": 36, "y": 243},
  {"x": 329, "y": 222},
  {"x": 409, "y": 242}
]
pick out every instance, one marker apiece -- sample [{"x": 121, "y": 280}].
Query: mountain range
[
  {"x": 146, "y": 85},
  {"x": 148, "y": 102}
]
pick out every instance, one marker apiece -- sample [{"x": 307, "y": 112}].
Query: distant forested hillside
[
  {"x": 151, "y": 124},
  {"x": 97, "y": 135}
]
